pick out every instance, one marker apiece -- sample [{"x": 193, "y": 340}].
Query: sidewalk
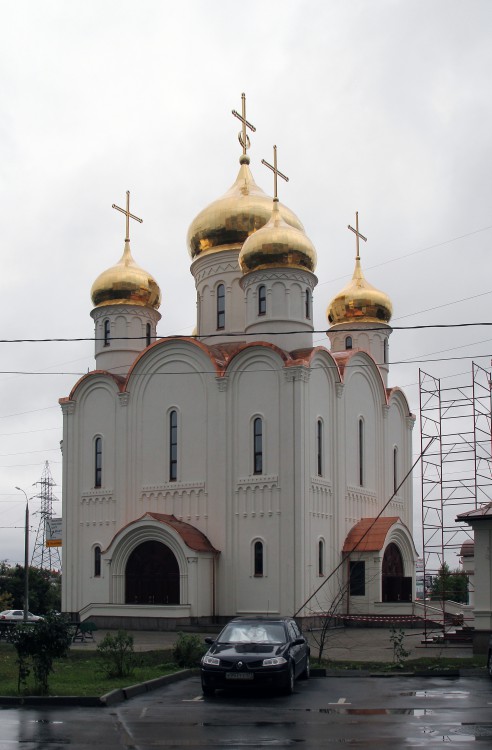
[{"x": 344, "y": 644}]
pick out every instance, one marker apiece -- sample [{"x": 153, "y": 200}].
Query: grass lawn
[{"x": 80, "y": 673}]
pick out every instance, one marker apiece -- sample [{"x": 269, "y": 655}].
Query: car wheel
[
  {"x": 306, "y": 673},
  {"x": 290, "y": 680},
  {"x": 489, "y": 664},
  {"x": 207, "y": 690}
]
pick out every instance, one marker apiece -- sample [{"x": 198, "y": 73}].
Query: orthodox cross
[
  {"x": 357, "y": 233},
  {"x": 243, "y": 136},
  {"x": 275, "y": 172},
  {"x": 128, "y": 215}
]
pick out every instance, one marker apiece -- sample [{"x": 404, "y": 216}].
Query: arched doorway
[
  {"x": 396, "y": 587},
  {"x": 152, "y": 575}
]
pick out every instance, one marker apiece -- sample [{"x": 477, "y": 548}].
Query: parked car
[
  {"x": 17, "y": 615},
  {"x": 489, "y": 657},
  {"x": 256, "y": 652}
]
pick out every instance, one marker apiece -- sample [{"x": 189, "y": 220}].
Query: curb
[{"x": 109, "y": 699}]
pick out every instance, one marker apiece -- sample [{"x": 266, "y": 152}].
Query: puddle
[{"x": 462, "y": 694}]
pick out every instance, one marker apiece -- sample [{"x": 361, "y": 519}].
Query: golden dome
[
  {"x": 126, "y": 284},
  {"x": 359, "y": 302},
  {"x": 277, "y": 244},
  {"x": 235, "y": 216}
]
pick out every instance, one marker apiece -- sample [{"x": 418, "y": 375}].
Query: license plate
[{"x": 239, "y": 675}]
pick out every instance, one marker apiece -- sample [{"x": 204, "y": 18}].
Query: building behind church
[{"x": 241, "y": 470}]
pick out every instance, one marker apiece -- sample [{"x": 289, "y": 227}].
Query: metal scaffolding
[
  {"x": 47, "y": 558},
  {"x": 456, "y": 472}
]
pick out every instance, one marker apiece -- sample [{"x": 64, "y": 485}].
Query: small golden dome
[
  {"x": 277, "y": 244},
  {"x": 235, "y": 216},
  {"x": 126, "y": 284},
  {"x": 359, "y": 302}
]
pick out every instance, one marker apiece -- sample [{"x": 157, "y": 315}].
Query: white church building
[{"x": 240, "y": 470}]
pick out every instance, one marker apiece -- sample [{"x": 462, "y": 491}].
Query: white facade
[{"x": 173, "y": 512}]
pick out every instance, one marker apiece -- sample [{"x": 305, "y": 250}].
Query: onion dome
[
  {"x": 234, "y": 217},
  {"x": 126, "y": 284},
  {"x": 277, "y": 245},
  {"x": 359, "y": 302}
]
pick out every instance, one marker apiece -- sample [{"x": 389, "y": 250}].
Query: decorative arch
[{"x": 174, "y": 554}]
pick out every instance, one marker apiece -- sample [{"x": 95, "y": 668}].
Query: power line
[{"x": 243, "y": 334}]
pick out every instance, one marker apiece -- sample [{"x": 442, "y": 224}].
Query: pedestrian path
[{"x": 342, "y": 644}]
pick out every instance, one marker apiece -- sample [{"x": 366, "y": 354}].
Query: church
[{"x": 240, "y": 470}]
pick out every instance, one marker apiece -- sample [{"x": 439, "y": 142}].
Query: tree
[
  {"x": 450, "y": 584},
  {"x": 44, "y": 588}
]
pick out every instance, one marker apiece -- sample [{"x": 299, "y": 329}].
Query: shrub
[
  {"x": 188, "y": 650},
  {"x": 37, "y": 645},
  {"x": 116, "y": 653}
]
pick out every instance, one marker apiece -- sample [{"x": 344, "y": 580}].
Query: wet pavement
[{"x": 370, "y": 713}]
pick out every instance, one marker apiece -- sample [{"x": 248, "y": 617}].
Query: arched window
[
  {"x": 262, "y": 300},
  {"x": 148, "y": 332},
  {"x": 385, "y": 351},
  {"x": 98, "y": 462},
  {"x": 258, "y": 446},
  {"x": 106, "y": 332},
  {"x": 258, "y": 559},
  {"x": 220, "y": 307},
  {"x": 395, "y": 469},
  {"x": 97, "y": 562},
  {"x": 361, "y": 452},
  {"x": 321, "y": 558},
  {"x": 307, "y": 304},
  {"x": 319, "y": 447},
  {"x": 173, "y": 446},
  {"x": 348, "y": 342}
]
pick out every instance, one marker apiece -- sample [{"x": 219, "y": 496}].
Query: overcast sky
[{"x": 380, "y": 106}]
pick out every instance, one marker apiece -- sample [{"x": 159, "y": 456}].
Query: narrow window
[
  {"x": 321, "y": 558},
  {"x": 319, "y": 447},
  {"x": 348, "y": 342},
  {"x": 395, "y": 469},
  {"x": 220, "y": 306},
  {"x": 106, "y": 333},
  {"x": 173, "y": 446},
  {"x": 307, "y": 303},
  {"x": 97, "y": 562},
  {"x": 258, "y": 559},
  {"x": 148, "y": 332},
  {"x": 98, "y": 462},
  {"x": 258, "y": 446},
  {"x": 262, "y": 300},
  {"x": 361, "y": 452},
  {"x": 385, "y": 351},
  {"x": 357, "y": 578}
]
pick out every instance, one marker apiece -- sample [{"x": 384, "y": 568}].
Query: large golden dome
[
  {"x": 359, "y": 302},
  {"x": 126, "y": 284},
  {"x": 277, "y": 244},
  {"x": 235, "y": 216}
]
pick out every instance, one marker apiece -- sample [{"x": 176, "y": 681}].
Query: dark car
[
  {"x": 489, "y": 657},
  {"x": 256, "y": 652}
]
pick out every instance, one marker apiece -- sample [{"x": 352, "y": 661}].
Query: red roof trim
[
  {"x": 191, "y": 536},
  {"x": 369, "y": 535}
]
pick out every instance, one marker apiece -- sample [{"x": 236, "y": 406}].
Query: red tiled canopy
[{"x": 369, "y": 535}]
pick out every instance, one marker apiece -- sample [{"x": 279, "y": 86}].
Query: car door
[{"x": 296, "y": 652}]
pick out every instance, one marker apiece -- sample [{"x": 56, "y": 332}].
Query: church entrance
[
  {"x": 396, "y": 587},
  {"x": 152, "y": 575}
]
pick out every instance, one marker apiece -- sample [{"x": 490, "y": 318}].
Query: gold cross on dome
[
  {"x": 243, "y": 136},
  {"x": 128, "y": 215},
  {"x": 357, "y": 233},
  {"x": 276, "y": 172}
]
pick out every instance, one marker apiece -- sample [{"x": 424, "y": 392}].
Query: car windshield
[{"x": 253, "y": 632}]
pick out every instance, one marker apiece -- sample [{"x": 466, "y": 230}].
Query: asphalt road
[{"x": 370, "y": 713}]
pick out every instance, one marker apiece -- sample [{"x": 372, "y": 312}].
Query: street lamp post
[{"x": 26, "y": 557}]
